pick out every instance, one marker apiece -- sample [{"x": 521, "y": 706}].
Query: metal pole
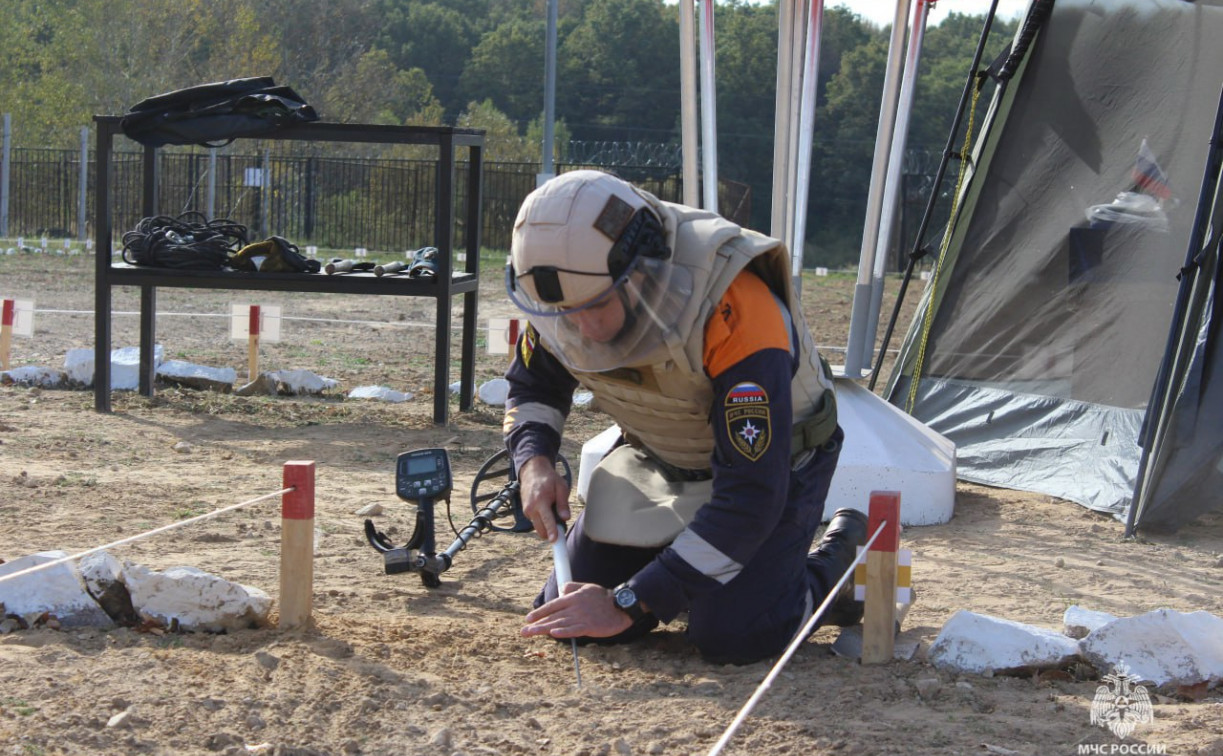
[
  {"x": 783, "y": 114},
  {"x": 854, "y": 359},
  {"x": 806, "y": 125},
  {"x": 547, "y": 169},
  {"x": 265, "y": 180},
  {"x": 891, "y": 201},
  {"x": 689, "y": 143},
  {"x": 4, "y": 173},
  {"x": 212, "y": 183},
  {"x": 83, "y": 190},
  {"x": 709, "y": 124}
]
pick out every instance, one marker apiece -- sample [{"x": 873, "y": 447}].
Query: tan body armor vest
[{"x": 664, "y": 404}]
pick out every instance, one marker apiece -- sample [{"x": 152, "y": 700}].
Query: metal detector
[{"x": 423, "y": 477}]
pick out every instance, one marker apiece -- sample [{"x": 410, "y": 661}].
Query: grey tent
[{"x": 1067, "y": 341}]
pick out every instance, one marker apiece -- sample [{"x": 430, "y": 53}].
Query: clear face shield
[{"x": 592, "y": 323}]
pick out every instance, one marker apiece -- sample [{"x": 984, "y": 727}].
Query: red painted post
[
  {"x": 879, "y": 618},
  {"x": 253, "y": 342},
  {"x": 6, "y": 331},
  {"x": 297, "y": 545}
]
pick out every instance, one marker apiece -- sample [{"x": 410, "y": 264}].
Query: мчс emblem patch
[{"x": 747, "y": 419}]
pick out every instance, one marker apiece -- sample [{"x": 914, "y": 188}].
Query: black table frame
[{"x": 442, "y": 289}]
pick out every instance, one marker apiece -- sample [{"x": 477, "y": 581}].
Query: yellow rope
[{"x": 942, "y": 253}]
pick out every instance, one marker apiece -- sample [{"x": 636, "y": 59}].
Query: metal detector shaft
[
  {"x": 483, "y": 521},
  {"x": 560, "y": 564}
]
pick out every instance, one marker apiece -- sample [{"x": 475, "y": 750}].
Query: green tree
[
  {"x": 434, "y": 38},
  {"x": 507, "y": 67},
  {"x": 373, "y": 90},
  {"x": 618, "y": 72},
  {"x": 502, "y": 140}
]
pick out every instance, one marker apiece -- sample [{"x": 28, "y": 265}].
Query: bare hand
[
  {"x": 582, "y": 610},
  {"x": 544, "y": 494}
]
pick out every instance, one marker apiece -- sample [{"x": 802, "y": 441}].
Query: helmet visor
[{"x": 624, "y": 324}]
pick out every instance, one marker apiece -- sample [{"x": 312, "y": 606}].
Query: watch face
[{"x": 625, "y": 597}]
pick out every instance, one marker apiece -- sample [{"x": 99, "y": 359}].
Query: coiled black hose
[{"x": 189, "y": 242}]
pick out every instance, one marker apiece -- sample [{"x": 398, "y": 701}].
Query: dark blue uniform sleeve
[
  {"x": 539, "y": 400},
  {"x": 751, "y": 419}
]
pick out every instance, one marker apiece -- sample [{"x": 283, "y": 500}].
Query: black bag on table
[{"x": 213, "y": 115}]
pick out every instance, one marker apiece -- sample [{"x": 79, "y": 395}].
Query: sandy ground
[{"x": 391, "y": 667}]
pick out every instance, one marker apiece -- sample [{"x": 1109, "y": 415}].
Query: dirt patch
[{"x": 394, "y": 668}]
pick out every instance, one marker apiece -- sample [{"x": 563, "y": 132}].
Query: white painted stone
[
  {"x": 494, "y": 392},
  {"x": 201, "y": 377},
  {"x": 99, "y": 571},
  {"x": 124, "y": 366},
  {"x": 58, "y": 590},
  {"x": 298, "y": 382},
  {"x": 198, "y": 600},
  {"x": 1077, "y": 622},
  {"x": 78, "y": 364},
  {"x": 1163, "y": 647},
  {"x": 378, "y": 392},
  {"x": 33, "y": 375},
  {"x": 977, "y": 643}
]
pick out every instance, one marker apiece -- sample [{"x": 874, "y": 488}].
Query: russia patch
[{"x": 747, "y": 419}]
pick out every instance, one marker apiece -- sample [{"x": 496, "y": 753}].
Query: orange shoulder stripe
[{"x": 748, "y": 319}]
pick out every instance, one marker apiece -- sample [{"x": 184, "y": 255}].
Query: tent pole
[
  {"x": 688, "y": 127},
  {"x": 1153, "y": 421},
  {"x": 874, "y": 201},
  {"x": 918, "y": 251},
  {"x": 806, "y": 127},
  {"x": 891, "y": 199},
  {"x": 709, "y": 126},
  {"x": 788, "y": 33}
]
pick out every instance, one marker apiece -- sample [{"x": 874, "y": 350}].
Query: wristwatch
[{"x": 627, "y": 601}]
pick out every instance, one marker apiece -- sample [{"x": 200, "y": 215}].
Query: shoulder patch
[
  {"x": 526, "y": 345},
  {"x": 747, "y": 419}
]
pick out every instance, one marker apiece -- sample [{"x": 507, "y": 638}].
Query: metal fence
[{"x": 338, "y": 202}]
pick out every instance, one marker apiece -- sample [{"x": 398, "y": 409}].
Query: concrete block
[
  {"x": 58, "y": 590},
  {"x": 1077, "y": 622},
  {"x": 196, "y": 599},
  {"x": 1163, "y": 647},
  {"x": 301, "y": 382},
  {"x": 977, "y": 643},
  {"x": 199, "y": 377},
  {"x": 124, "y": 366},
  {"x": 378, "y": 392},
  {"x": 32, "y": 375}
]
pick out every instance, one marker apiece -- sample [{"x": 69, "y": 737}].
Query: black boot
[{"x": 837, "y": 549}]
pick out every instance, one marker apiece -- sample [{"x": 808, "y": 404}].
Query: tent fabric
[
  {"x": 1052, "y": 308},
  {"x": 1185, "y": 469}
]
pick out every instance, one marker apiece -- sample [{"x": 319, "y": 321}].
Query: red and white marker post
[
  {"x": 879, "y": 614},
  {"x": 252, "y": 343},
  {"x": 297, "y": 545},
  {"x": 6, "y": 331}
]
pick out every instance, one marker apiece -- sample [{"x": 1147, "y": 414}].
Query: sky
[{"x": 883, "y": 12}]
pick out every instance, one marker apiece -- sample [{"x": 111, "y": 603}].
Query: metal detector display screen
[
  {"x": 417, "y": 465},
  {"x": 422, "y": 474}
]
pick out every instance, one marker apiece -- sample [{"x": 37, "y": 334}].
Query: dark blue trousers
[{"x": 756, "y": 614}]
